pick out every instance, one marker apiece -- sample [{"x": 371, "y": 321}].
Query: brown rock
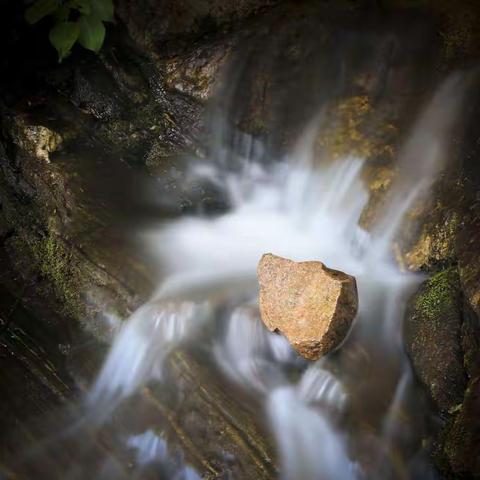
[{"x": 312, "y": 305}]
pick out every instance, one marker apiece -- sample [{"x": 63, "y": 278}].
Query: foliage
[{"x": 79, "y": 21}]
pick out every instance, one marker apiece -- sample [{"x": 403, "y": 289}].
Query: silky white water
[
  {"x": 303, "y": 211},
  {"x": 354, "y": 414}
]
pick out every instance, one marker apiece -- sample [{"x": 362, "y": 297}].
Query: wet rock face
[
  {"x": 442, "y": 333},
  {"x": 442, "y": 327},
  {"x": 433, "y": 339},
  {"x": 312, "y": 305},
  {"x": 197, "y": 73},
  {"x": 154, "y": 23}
]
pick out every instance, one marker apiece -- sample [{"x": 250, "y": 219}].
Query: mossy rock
[
  {"x": 428, "y": 239},
  {"x": 46, "y": 210},
  {"x": 433, "y": 339},
  {"x": 442, "y": 335}
]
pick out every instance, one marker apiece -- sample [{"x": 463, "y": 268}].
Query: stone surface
[
  {"x": 312, "y": 305},
  {"x": 442, "y": 328},
  {"x": 461, "y": 437},
  {"x": 433, "y": 339},
  {"x": 197, "y": 73},
  {"x": 162, "y": 26}
]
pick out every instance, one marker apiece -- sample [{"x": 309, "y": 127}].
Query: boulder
[
  {"x": 312, "y": 305},
  {"x": 433, "y": 339}
]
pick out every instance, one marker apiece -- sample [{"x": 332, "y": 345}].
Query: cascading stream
[
  {"x": 302, "y": 212},
  {"x": 347, "y": 416}
]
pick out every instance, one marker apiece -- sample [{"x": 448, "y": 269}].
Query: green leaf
[
  {"x": 63, "y": 36},
  {"x": 103, "y": 9},
  {"x": 92, "y": 32},
  {"x": 62, "y": 14},
  {"x": 83, "y": 6},
  {"x": 40, "y": 9}
]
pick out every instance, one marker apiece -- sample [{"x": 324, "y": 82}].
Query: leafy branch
[{"x": 75, "y": 21}]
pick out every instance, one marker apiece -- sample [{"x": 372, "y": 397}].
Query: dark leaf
[
  {"x": 62, "y": 14},
  {"x": 92, "y": 32},
  {"x": 63, "y": 36},
  {"x": 40, "y": 9}
]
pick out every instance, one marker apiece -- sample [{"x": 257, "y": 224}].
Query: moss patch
[
  {"x": 54, "y": 260},
  {"x": 440, "y": 295},
  {"x": 57, "y": 263}
]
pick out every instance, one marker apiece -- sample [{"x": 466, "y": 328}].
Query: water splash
[
  {"x": 149, "y": 447},
  {"x": 140, "y": 349},
  {"x": 424, "y": 154},
  {"x": 318, "y": 385},
  {"x": 250, "y": 354}
]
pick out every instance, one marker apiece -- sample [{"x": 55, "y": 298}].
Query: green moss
[
  {"x": 439, "y": 295},
  {"x": 55, "y": 261}
]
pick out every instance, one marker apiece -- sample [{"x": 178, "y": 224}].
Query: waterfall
[
  {"x": 336, "y": 418},
  {"x": 301, "y": 211}
]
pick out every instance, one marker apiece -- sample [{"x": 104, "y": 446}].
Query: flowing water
[
  {"x": 357, "y": 398},
  {"x": 354, "y": 414}
]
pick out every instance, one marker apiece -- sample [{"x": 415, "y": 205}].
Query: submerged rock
[{"x": 312, "y": 305}]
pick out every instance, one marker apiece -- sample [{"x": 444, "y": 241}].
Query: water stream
[
  {"x": 356, "y": 399},
  {"x": 354, "y": 414}
]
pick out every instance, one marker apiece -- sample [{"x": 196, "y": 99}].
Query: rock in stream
[{"x": 312, "y": 305}]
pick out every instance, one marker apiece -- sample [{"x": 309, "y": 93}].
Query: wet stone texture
[
  {"x": 436, "y": 320},
  {"x": 312, "y": 305},
  {"x": 442, "y": 329}
]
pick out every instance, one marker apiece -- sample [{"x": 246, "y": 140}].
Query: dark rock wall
[{"x": 442, "y": 327}]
